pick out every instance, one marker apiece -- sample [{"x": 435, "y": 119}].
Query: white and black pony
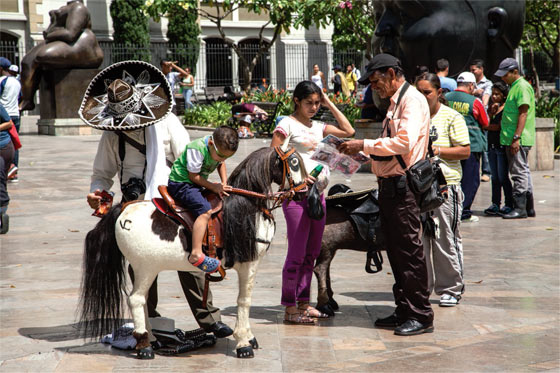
[{"x": 151, "y": 242}]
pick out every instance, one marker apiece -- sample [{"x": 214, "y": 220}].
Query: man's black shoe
[
  {"x": 413, "y": 327},
  {"x": 388, "y": 322},
  {"x": 220, "y": 330}
]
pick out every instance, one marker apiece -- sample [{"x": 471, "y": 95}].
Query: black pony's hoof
[
  {"x": 147, "y": 353},
  {"x": 326, "y": 308},
  {"x": 245, "y": 352},
  {"x": 332, "y": 303},
  {"x": 254, "y": 343}
]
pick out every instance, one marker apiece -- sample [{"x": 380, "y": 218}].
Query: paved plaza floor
[{"x": 507, "y": 321}]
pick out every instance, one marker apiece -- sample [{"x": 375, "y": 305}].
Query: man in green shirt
[{"x": 518, "y": 135}]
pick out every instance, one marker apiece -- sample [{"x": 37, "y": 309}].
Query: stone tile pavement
[{"x": 508, "y": 319}]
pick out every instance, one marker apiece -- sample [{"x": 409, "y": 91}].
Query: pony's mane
[{"x": 255, "y": 174}]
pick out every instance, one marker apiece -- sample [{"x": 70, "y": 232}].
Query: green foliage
[
  {"x": 549, "y": 107},
  {"x": 214, "y": 115},
  {"x": 542, "y": 29},
  {"x": 130, "y": 29},
  {"x": 347, "y": 105},
  {"x": 183, "y": 32},
  {"x": 272, "y": 95},
  {"x": 354, "y": 24}
]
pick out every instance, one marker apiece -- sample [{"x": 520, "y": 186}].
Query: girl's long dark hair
[
  {"x": 433, "y": 79},
  {"x": 303, "y": 90}
]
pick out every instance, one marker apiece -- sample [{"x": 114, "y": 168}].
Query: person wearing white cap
[{"x": 472, "y": 109}]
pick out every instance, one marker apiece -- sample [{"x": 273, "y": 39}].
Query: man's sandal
[
  {"x": 307, "y": 310},
  {"x": 298, "y": 318}
]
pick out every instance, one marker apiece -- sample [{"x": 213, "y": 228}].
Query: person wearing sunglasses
[{"x": 189, "y": 176}]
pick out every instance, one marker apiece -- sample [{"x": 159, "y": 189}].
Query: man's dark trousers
[
  {"x": 193, "y": 286},
  {"x": 470, "y": 182},
  {"x": 400, "y": 221}
]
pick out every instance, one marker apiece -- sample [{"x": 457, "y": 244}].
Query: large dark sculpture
[
  {"x": 421, "y": 32},
  {"x": 69, "y": 44}
]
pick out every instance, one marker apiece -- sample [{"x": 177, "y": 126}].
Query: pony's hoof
[
  {"x": 332, "y": 303},
  {"x": 245, "y": 352},
  {"x": 254, "y": 343},
  {"x": 147, "y": 353},
  {"x": 326, "y": 308}
]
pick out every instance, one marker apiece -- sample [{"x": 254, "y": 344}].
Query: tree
[
  {"x": 354, "y": 23},
  {"x": 542, "y": 29},
  {"x": 282, "y": 15},
  {"x": 130, "y": 27},
  {"x": 183, "y": 32}
]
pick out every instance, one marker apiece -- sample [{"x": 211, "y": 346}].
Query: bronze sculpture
[
  {"x": 420, "y": 32},
  {"x": 69, "y": 44}
]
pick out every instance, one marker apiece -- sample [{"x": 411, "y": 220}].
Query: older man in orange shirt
[{"x": 405, "y": 133}]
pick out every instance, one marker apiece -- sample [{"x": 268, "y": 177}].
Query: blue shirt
[
  {"x": 447, "y": 83},
  {"x": 4, "y": 135}
]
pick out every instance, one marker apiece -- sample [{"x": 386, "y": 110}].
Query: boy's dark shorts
[{"x": 189, "y": 196}]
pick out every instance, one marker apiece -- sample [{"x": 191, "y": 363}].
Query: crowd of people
[{"x": 154, "y": 150}]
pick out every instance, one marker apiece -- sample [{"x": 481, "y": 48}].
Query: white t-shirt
[
  {"x": 10, "y": 95},
  {"x": 305, "y": 140},
  {"x": 173, "y": 78}
]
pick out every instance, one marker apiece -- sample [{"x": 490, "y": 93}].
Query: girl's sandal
[
  {"x": 309, "y": 311},
  {"x": 297, "y": 318}
]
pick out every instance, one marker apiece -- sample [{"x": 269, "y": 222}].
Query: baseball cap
[
  {"x": 4, "y": 63},
  {"x": 14, "y": 68},
  {"x": 380, "y": 61},
  {"x": 337, "y": 67},
  {"x": 466, "y": 77},
  {"x": 506, "y": 65}
]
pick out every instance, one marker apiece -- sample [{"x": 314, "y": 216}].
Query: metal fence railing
[
  {"x": 12, "y": 50},
  {"x": 216, "y": 64}
]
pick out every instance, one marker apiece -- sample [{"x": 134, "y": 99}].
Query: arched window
[
  {"x": 9, "y": 47},
  {"x": 249, "y": 47},
  {"x": 218, "y": 63}
]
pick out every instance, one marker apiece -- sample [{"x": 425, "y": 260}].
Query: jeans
[
  {"x": 470, "y": 182},
  {"x": 6, "y": 157},
  {"x": 187, "y": 94},
  {"x": 500, "y": 178},
  {"x": 17, "y": 122},
  {"x": 486, "y": 169}
]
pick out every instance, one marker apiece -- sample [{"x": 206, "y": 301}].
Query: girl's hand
[
  {"x": 325, "y": 99},
  {"x": 310, "y": 180}
]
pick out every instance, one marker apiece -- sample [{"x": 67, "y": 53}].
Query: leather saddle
[
  {"x": 362, "y": 208},
  {"x": 212, "y": 242}
]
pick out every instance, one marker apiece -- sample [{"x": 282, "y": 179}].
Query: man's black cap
[
  {"x": 337, "y": 67},
  {"x": 380, "y": 61}
]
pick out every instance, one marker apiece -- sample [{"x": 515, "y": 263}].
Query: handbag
[
  {"x": 314, "y": 206},
  {"x": 427, "y": 181},
  {"x": 15, "y": 137}
]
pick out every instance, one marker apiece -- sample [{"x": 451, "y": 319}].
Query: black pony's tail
[{"x": 103, "y": 279}]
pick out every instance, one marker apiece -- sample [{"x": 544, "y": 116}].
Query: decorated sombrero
[{"x": 126, "y": 96}]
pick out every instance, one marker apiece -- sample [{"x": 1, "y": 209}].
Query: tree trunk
[
  {"x": 247, "y": 77},
  {"x": 537, "y": 83}
]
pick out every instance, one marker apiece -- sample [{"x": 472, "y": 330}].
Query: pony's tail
[{"x": 103, "y": 279}]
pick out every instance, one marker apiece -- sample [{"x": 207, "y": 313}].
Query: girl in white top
[
  {"x": 319, "y": 78},
  {"x": 305, "y": 234}
]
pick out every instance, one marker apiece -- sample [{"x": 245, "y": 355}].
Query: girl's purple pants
[{"x": 304, "y": 245}]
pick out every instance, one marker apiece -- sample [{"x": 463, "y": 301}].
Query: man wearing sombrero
[{"x": 131, "y": 102}]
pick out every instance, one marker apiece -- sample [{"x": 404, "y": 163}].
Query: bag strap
[
  {"x": 141, "y": 148},
  {"x": 403, "y": 91},
  {"x": 430, "y": 153}
]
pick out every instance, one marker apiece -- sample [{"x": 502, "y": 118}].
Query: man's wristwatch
[{"x": 516, "y": 137}]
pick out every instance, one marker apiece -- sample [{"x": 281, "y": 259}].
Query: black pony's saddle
[{"x": 363, "y": 209}]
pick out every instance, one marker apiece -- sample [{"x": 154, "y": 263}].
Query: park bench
[
  {"x": 325, "y": 115},
  {"x": 213, "y": 93}
]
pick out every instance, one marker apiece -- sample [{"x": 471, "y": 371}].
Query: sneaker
[
  {"x": 493, "y": 210},
  {"x": 13, "y": 179},
  {"x": 13, "y": 169},
  {"x": 448, "y": 300},
  {"x": 471, "y": 219},
  {"x": 485, "y": 178},
  {"x": 505, "y": 210}
]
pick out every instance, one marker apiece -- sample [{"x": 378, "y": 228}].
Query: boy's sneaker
[
  {"x": 448, "y": 300},
  {"x": 493, "y": 210},
  {"x": 505, "y": 210},
  {"x": 471, "y": 219},
  {"x": 12, "y": 171},
  {"x": 13, "y": 178}
]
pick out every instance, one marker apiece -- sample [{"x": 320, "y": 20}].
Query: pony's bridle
[{"x": 286, "y": 173}]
